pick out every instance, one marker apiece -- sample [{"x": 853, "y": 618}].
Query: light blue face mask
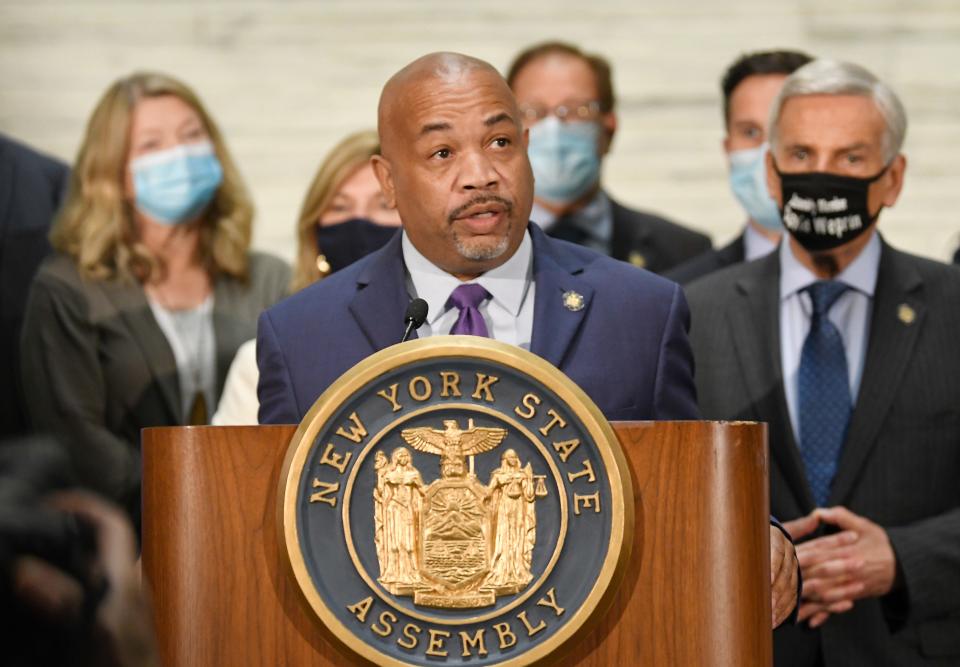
[
  {"x": 564, "y": 159},
  {"x": 175, "y": 185},
  {"x": 748, "y": 180}
]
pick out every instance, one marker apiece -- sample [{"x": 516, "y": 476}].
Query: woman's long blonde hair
[
  {"x": 96, "y": 225},
  {"x": 339, "y": 164}
]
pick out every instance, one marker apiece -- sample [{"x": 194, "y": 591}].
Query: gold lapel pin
[
  {"x": 906, "y": 314},
  {"x": 573, "y": 301}
]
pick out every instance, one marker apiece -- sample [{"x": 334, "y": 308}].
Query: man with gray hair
[{"x": 846, "y": 347}]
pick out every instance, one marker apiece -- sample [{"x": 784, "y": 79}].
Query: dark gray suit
[
  {"x": 643, "y": 239},
  {"x": 97, "y": 368},
  {"x": 708, "y": 262},
  {"x": 651, "y": 242},
  {"x": 31, "y": 189},
  {"x": 900, "y": 465}
]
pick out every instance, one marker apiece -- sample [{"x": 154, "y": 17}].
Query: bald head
[
  {"x": 429, "y": 73},
  {"x": 454, "y": 163}
]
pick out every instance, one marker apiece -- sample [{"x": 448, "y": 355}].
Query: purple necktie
[{"x": 467, "y": 298}]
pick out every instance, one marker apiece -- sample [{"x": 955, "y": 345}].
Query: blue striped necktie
[{"x": 824, "y": 392}]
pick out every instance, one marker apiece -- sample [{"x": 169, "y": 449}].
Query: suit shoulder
[
  {"x": 23, "y": 155},
  {"x": 716, "y": 287},
  {"x": 59, "y": 281},
  {"x": 270, "y": 272},
  {"x": 928, "y": 266},
  {"x": 701, "y": 265},
  {"x": 59, "y": 268},
  {"x": 936, "y": 274},
  {"x": 661, "y": 226},
  {"x": 326, "y": 298},
  {"x": 265, "y": 264},
  {"x": 620, "y": 277}
]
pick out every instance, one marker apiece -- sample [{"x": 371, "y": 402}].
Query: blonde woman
[
  {"x": 343, "y": 218},
  {"x": 135, "y": 319}
]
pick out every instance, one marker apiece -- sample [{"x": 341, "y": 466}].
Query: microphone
[{"x": 414, "y": 318}]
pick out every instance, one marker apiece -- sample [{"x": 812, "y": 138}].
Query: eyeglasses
[{"x": 566, "y": 113}]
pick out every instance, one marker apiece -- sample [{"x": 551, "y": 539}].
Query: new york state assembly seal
[{"x": 455, "y": 501}]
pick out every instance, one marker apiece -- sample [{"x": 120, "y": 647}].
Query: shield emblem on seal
[{"x": 454, "y": 534}]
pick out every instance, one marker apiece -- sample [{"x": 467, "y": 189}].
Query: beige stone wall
[{"x": 286, "y": 79}]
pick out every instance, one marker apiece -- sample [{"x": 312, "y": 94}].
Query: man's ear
[
  {"x": 608, "y": 126},
  {"x": 892, "y": 181},
  {"x": 384, "y": 173}
]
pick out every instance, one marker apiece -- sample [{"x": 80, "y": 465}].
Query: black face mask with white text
[{"x": 825, "y": 211}]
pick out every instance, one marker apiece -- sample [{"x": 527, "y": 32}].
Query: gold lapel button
[
  {"x": 906, "y": 314},
  {"x": 637, "y": 259},
  {"x": 573, "y": 301}
]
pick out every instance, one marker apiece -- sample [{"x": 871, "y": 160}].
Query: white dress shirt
[
  {"x": 194, "y": 344},
  {"x": 508, "y": 314},
  {"x": 239, "y": 405},
  {"x": 850, "y": 314},
  {"x": 755, "y": 244}
]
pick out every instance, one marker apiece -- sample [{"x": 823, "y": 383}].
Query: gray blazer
[
  {"x": 900, "y": 465},
  {"x": 97, "y": 368}
]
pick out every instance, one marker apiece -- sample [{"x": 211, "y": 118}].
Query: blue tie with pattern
[{"x": 824, "y": 392}]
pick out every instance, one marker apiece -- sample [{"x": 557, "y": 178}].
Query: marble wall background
[{"x": 287, "y": 78}]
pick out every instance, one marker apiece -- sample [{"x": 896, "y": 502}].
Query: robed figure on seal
[
  {"x": 397, "y": 510},
  {"x": 511, "y": 500}
]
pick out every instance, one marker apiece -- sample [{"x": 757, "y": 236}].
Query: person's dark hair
[
  {"x": 600, "y": 66},
  {"x": 758, "y": 63}
]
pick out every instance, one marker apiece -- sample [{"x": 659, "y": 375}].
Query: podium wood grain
[{"x": 697, "y": 591}]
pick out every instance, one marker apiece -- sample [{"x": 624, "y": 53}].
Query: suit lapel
[
  {"x": 556, "y": 319},
  {"x": 628, "y": 235},
  {"x": 889, "y": 350},
  {"x": 755, "y": 322},
  {"x": 381, "y": 299},
  {"x": 131, "y": 303},
  {"x": 734, "y": 252}
]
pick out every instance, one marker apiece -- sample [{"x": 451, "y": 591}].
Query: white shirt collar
[
  {"x": 755, "y": 244},
  {"x": 861, "y": 274},
  {"x": 434, "y": 285}
]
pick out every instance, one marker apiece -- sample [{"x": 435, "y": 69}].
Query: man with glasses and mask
[
  {"x": 567, "y": 101},
  {"x": 749, "y": 87},
  {"x": 847, "y": 348}
]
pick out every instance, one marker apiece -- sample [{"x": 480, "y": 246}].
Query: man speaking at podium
[{"x": 454, "y": 163}]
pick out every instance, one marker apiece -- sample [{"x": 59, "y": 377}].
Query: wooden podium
[{"x": 697, "y": 590}]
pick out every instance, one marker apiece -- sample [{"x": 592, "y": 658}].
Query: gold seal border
[
  {"x": 531, "y": 589},
  {"x": 386, "y": 360}
]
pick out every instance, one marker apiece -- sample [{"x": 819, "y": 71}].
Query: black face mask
[
  {"x": 824, "y": 211},
  {"x": 344, "y": 243}
]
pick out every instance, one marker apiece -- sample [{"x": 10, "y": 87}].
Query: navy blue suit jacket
[
  {"x": 32, "y": 186},
  {"x": 627, "y": 348}
]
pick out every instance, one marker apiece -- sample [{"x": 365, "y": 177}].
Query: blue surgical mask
[
  {"x": 748, "y": 180},
  {"x": 565, "y": 159},
  {"x": 175, "y": 185}
]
